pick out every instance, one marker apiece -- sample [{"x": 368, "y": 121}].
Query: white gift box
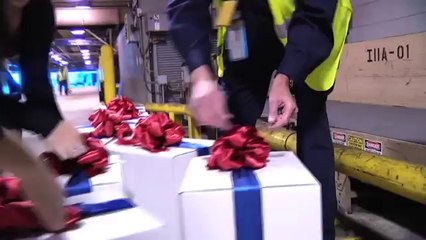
[
  {"x": 153, "y": 179},
  {"x": 103, "y": 187},
  {"x": 286, "y": 204},
  {"x": 131, "y": 224}
]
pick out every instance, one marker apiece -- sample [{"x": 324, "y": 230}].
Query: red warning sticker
[
  {"x": 373, "y": 146},
  {"x": 339, "y": 138}
]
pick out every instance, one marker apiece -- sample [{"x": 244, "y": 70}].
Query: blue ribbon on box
[
  {"x": 201, "y": 149},
  {"x": 80, "y": 184},
  {"x": 90, "y": 210},
  {"x": 248, "y": 205}
]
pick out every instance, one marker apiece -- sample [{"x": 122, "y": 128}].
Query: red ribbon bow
[
  {"x": 241, "y": 147},
  {"x": 18, "y": 214},
  {"x": 93, "y": 162},
  {"x": 104, "y": 122},
  {"x": 155, "y": 133},
  {"x": 124, "y": 108}
]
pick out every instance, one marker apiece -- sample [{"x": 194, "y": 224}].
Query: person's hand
[
  {"x": 207, "y": 102},
  {"x": 282, "y": 104},
  {"x": 38, "y": 183},
  {"x": 66, "y": 141}
]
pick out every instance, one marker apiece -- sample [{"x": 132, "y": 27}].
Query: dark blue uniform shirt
[{"x": 310, "y": 35}]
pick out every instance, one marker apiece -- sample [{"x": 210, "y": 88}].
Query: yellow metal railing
[
  {"x": 176, "y": 113},
  {"x": 402, "y": 178}
]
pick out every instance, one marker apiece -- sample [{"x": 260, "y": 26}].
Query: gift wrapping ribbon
[
  {"x": 247, "y": 205},
  {"x": 80, "y": 184},
  {"x": 18, "y": 214},
  {"x": 155, "y": 133},
  {"x": 124, "y": 108},
  {"x": 201, "y": 149},
  {"x": 241, "y": 151},
  {"x": 93, "y": 162}
]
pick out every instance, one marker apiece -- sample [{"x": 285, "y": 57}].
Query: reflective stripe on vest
[{"x": 321, "y": 78}]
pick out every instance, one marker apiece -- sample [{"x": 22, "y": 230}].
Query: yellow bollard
[{"x": 107, "y": 59}]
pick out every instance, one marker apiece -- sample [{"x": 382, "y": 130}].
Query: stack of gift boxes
[{"x": 183, "y": 191}]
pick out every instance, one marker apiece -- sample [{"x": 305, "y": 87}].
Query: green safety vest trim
[{"x": 322, "y": 78}]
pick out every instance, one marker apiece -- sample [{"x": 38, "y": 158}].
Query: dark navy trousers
[{"x": 247, "y": 83}]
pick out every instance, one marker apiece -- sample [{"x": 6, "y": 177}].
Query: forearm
[
  {"x": 310, "y": 38},
  {"x": 190, "y": 27}
]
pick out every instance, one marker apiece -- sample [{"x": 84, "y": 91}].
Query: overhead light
[
  {"x": 78, "y": 31},
  {"x": 86, "y": 57},
  {"x": 64, "y": 62},
  {"x": 85, "y": 54},
  {"x": 83, "y": 7},
  {"x": 85, "y": 51},
  {"x": 79, "y": 42},
  {"x": 56, "y": 57},
  {"x": 88, "y": 62}
]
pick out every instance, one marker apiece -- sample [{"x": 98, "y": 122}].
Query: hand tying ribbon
[
  {"x": 17, "y": 214},
  {"x": 124, "y": 108},
  {"x": 93, "y": 162},
  {"x": 155, "y": 133},
  {"x": 241, "y": 147}
]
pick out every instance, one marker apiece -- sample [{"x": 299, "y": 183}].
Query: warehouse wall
[
  {"x": 384, "y": 62},
  {"x": 132, "y": 82},
  {"x": 375, "y": 19},
  {"x": 153, "y": 6}
]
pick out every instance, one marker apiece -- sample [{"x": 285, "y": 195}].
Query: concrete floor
[{"x": 77, "y": 106}]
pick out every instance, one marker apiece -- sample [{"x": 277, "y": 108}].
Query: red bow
[
  {"x": 241, "y": 147},
  {"x": 18, "y": 214},
  {"x": 155, "y": 133},
  {"x": 124, "y": 108},
  {"x": 104, "y": 122},
  {"x": 93, "y": 162}
]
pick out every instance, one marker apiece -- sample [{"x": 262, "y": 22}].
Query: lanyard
[{"x": 226, "y": 13}]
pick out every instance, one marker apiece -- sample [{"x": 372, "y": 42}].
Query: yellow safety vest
[
  {"x": 321, "y": 78},
  {"x": 63, "y": 74}
]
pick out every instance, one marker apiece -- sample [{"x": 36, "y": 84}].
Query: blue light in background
[
  {"x": 17, "y": 77},
  {"x": 77, "y": 79}
]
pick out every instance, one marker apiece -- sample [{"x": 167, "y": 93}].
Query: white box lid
[
  {"x": 283, "y": 169},
  {"x": 171, "y": 152}
]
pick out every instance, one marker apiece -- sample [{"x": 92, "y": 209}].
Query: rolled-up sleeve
[
  {"x": 190, "y": 27},
  {"x": 310, "y": 38}
]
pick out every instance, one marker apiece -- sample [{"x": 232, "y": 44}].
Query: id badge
[{"x": 236, "y": 41}]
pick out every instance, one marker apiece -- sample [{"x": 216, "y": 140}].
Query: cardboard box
[
  {"x": 130, "y": 224},
  {"x": 289, "y": 203},
  {"x": 104, "y": 187},
  {"x": 153, "y": 179}
]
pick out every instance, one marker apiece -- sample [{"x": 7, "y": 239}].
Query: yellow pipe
[
  {"x": 107, "y": 55},
  {"x": 402, "y": 178},
  {"x": 174, "y": 108}
]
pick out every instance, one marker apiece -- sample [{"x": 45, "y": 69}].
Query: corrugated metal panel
[{"x": 169, "y": 63}]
